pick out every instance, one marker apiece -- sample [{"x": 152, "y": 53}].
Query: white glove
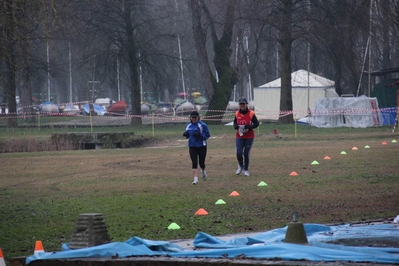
[{"x": 242, "y": 130}]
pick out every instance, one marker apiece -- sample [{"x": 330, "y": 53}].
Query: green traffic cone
[
  {"x": 173, "y": 226},
  {"x": 220, "y": 201}
]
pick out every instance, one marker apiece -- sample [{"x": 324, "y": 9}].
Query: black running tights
[{"x": 197, "y": 155}]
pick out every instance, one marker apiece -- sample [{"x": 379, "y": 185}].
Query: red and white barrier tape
[{"x": 175, "y": 116}]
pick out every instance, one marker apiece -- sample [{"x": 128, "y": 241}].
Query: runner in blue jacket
[{"x": 197, "y": 133}]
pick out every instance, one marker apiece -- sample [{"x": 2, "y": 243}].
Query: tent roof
[{"x": 300, "y": 79}]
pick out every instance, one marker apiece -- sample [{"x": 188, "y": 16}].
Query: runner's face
[{"x": 243, "y": 106}]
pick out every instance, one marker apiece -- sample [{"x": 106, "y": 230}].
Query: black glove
[
  {"x": 185, "y": 134},
  {"x": 197, "y": 134},
  {"x": 236, "y": 127},
  {"x": 248, "y": 126}
]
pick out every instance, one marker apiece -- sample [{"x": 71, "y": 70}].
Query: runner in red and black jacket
[{"x": 245, "y": 121}]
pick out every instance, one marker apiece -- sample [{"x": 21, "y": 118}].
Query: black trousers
[{"x": 197, "y": 155}]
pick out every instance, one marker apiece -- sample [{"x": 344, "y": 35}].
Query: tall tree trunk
[
  {"x": 337, "y": 77},
  {"x": 10, "y": 85},
  {"x": 133, "y": 62},
  {"x": 386, "y": 33},
  {"x": 26, "y": 95},
  {"x": 25, "y": 85},
  {"x": 218, "y": 92},
  {"x": 227, "y": 74},
  {"x": 285, "y": 64},
  {"x": 200, "y": 46},
  {"x": 135, "y": 98}
]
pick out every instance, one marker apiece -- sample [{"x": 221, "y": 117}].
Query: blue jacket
[{"x": 197, "y": 134}]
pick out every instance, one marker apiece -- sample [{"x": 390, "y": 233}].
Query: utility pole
[
  {"x": 249, "y": 88},
  {"x": 70, "y": 74},
  {"x": 92, "y": 88},
  {"x": 371, "y": 22},
  {"x": 181, "y": 58},
  {"x": 48, "y": 73},
  {"x": 118, "y": 79},
  {"x": 93, "y": 81}
]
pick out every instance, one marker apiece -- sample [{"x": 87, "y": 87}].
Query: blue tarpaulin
[
  {"x": 98, "y": 109},
  {"x": 389, "y": 115},
  {"x": 266, "y": 245}
]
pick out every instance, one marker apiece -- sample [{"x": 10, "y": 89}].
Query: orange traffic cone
[
  {"x": 234, "y": 194},
  {"x": 38, "y": 247},
  {"x": 201, "y": 211},
  {"x": 2, "y": 262}
]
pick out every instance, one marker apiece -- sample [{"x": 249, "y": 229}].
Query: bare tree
[
  {"x": 128, "y": 36},
  {"x": 9, "y": 61},
  {"x": 338, "y": 30},
  {"x": 285, "y": 41},
  {"x": 220, "y": 88},
  {"x": 23, "y": 23},
  {"x": 282, "y": 21},
  {"x": 132, "y": 32}
]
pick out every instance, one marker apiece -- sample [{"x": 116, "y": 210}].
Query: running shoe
[
  {"x": 239, "y": 170},
  {"x": 204, "y": 175}
]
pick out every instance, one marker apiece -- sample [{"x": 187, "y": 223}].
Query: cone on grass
[
  {"x": 220, "y": 201},
  {"x": 293, "y": 173},
  {"x": 394, "y": 141},
  {"x": 327, "y": 158},
  {"x": 2, "y": 262},
  {"x": 384, "y": 143},
  {"x": 367, "y": 147},
  {"x": 38, "y": 247},
  {"x": 234, "y": 194},
  {"x": 201, "y": 211},
  {"x": 354, "y": 149},
  {"x": 314, "y": 163},
  {"x": 173, "y": 226},
  {"x": 262, "y": 184},
  {"x": 343, "y": 152}
]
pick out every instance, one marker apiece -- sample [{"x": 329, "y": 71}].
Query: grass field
[{"x": 141, "y": 191}]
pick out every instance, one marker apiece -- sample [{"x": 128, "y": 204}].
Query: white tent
[
  {"x": 306, "y": 89},
  {"x": 358, "y": 112}
]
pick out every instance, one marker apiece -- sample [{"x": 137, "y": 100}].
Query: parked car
[{"x": 164, "y": 108}]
